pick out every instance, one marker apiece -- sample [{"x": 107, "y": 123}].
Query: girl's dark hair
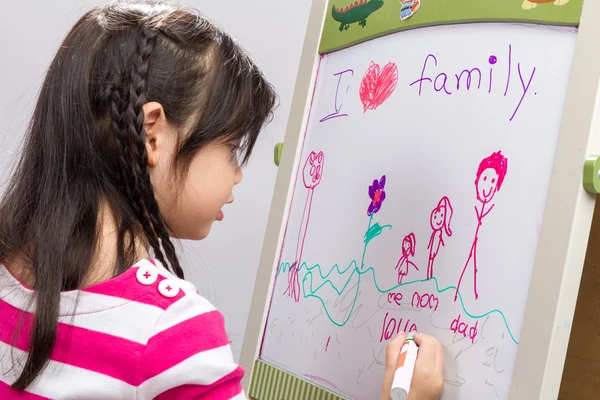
[{"x": 85, "y": 145}]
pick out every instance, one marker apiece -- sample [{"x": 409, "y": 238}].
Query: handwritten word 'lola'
[
  {"x": 425, "y": 301},
  {"x": 470, "y": 79},
  {"x": 392, "y": 327},
  {"x": 463, "y": 328}
]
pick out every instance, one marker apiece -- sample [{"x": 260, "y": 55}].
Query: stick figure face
[
  {"x": 438, "y": 216},
  {"x": 490, "y": 175},
  {"x": 408, "y": 245},
  {"x": 313, "y": 169},
  {"x": 405, "y": 247},
  {"x": 486, "y": 185}
]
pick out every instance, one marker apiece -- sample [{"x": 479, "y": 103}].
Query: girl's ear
[{"x": 155, "y": 123}]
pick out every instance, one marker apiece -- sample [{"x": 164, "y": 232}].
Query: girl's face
[
  {"x": 191, "y": 205},
  {"x": 405, "y": 247},
  {"x": 438, "y": 216}
]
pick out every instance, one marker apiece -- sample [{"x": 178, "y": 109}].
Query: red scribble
[
  {"x": 440, "y": 219},
  {"x": 377, "y": 85},
  {"x": 327, "y": 345},
  {"x": 490, "y": 175},
  {"x": 311, "y": 176},
  {"x": 408, "y": 250}
]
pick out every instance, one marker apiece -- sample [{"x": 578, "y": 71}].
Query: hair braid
[
  {"x": 152, "y": 222},
  {"x": 116, "y": 104},
  {"x": 118, "y": 110}
]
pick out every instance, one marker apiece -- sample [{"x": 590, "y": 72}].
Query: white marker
[{"x": 404, "y": 370}]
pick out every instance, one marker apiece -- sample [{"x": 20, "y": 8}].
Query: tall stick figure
[
  {"x": 408, "y": 250},
  {"x": 311, "y": 176},
  {"x": 440, "y": 219},
  {"x": 490, "y": 175}
]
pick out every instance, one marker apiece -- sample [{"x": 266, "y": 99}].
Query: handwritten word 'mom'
[
  {"x": 471, "y": 78},
  {"x": 425, "y": 301}
]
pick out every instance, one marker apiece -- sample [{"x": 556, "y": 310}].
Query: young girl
[
  {"x": 440, "y": 219},
  {"x": 408, "y": 250},
  {"x": 145, "y": 115}
]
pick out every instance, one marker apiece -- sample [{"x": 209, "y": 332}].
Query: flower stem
[{"x": 362, "y": 262}]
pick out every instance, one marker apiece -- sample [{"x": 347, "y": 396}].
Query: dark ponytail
[{"x": 85, "y": 147}]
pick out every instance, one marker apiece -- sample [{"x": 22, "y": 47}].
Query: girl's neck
[{"x": 103, "y": 262}]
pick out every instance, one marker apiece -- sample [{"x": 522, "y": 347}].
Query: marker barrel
[{"x": 404, "y": 370}]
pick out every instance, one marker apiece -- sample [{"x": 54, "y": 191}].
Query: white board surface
[{"x": 330, "y": 322}]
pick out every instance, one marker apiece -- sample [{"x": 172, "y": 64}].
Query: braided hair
[
  {"x": 86, "y": 146},
  {"x": 127, "y": 116}
]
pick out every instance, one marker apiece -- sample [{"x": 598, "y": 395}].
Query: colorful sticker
[
  {"x": 408, "y": 8},
  {"x": 349, "y": 22},
  {"x": 355, "y": 12}
]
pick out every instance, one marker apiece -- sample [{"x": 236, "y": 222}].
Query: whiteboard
[{"x": 411, "y": 107}]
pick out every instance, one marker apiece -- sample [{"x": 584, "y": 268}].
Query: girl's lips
[{"x": 220, "y": 216}]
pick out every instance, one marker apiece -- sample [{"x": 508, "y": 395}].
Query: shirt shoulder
[{"x": 188, "y": 353}]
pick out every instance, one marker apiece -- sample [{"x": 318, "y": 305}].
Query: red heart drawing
[{"x": 377, "y": 86}]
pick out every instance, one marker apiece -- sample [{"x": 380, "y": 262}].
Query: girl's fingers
[
  {"x": 391, "y": 361},
  {"x": 393, "y": 351},
  {"x": 428, "y": 350}
]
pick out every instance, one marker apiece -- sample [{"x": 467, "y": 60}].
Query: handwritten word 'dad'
[{"x": 463, "y": 328}]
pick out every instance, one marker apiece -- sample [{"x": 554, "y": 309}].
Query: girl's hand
[{"x": 428, "y": 377}]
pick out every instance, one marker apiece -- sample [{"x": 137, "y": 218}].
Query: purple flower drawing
[{"x": 377, "y": 195}]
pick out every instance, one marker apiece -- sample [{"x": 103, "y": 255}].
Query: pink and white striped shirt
[{"x": 143, "y": 335}]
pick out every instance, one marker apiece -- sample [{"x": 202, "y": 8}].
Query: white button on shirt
[
  {"x": 168, "y": 288},
  {"x": 146, "y": 275}
]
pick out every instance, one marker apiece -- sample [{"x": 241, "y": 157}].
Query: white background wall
[{"x": 224, "y": 265}]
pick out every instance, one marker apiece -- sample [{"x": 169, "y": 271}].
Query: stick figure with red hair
[{"x": 490, "y": 175}]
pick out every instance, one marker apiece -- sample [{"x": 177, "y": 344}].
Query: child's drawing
[
  {"x": 440, "y": 219},
  {"x": 490, "y": 175},
  {"x": 408, "y": 8},
  {"x": 356, "y": 12},
  {"x": 377, "y": 196},
  {"x": 531, "y": 4},
  {"x": 311, "y": 176},
  {"x": 378, "y": 85},
  {"x": 408, "y": 250}
]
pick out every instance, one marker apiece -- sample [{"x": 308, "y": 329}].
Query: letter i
[{"x": 492, "y": 60}]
